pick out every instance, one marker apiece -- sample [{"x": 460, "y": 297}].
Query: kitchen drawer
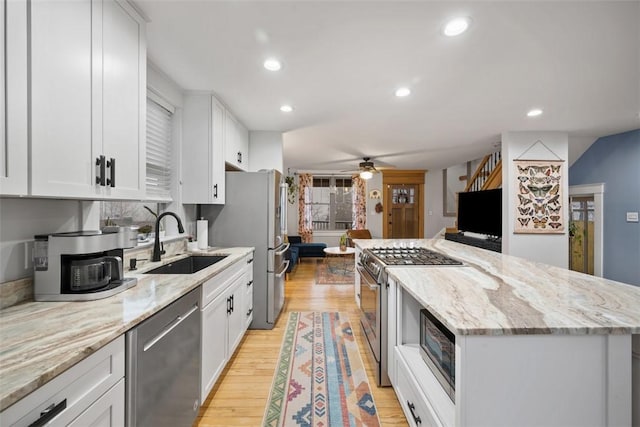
[
  {"x": 77, "y": 388},
  {"x": 107, "y": 411},
  {"x": 414, "y": 404},
  {"x": 218, "y": 283}
]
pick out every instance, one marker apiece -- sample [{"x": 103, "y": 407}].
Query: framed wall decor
[{"x": 539, "y": 208}]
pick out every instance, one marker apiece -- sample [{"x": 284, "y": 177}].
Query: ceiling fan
[{"x": 366, "y": 168}]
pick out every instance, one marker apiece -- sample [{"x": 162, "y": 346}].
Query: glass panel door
[{"x": 581, "y": 232}]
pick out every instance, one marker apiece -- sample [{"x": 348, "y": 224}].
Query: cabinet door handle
[
  {"x": 111, "y": 164},
  {"x": 49, "y": 413},
  {"x": 228, "y": 305},
  {"x": 249, "y": 312},
  {"x": 100, "y": 161},
  {"x": 239, "y": 157},
  {"x": 249, "y": 283},
  {"x": 215, "y": 191},
  {"x": 232, "y": 303},
  {"x": 249, "y": 261},
  {"x": 412, "y": 408}
]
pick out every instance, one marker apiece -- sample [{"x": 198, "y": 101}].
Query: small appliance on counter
[{"x": 81, "y": 265}]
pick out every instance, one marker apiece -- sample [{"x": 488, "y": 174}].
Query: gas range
[
  {"x": 375, "y": 259},
  {"x": 372, "y": 268}
]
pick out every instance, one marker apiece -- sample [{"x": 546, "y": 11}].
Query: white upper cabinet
[
  {"x": 236, "y": 147},
  {"x": 203, "y": 133},
  {"x": 13, "y": 98},
  {"x": 88, "y": 82}
]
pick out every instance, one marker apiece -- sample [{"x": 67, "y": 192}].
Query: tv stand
[{"x": 494, "y": 245}]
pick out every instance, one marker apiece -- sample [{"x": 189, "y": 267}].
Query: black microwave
[{"x": 438, "y": 349}]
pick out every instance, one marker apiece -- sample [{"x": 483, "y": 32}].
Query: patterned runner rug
[
  {"x": 335, "y": 272},
  {"x": 320, "y": 380}
]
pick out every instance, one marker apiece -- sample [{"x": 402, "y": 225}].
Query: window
[
  {"x": 332, "y": 207},
  {"x": 158, "y": 166},
  {"x": 159, "y": 130}
]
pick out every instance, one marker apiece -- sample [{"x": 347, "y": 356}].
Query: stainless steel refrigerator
[{"x": 254, "y": 214}]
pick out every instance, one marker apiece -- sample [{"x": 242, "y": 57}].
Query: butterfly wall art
[{"x": 539, "y": 196}]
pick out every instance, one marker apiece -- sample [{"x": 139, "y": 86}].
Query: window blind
[{"x": 159, "y": 126}]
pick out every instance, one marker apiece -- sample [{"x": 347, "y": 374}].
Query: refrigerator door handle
[
  {"x": 284, "y": 270},
  {"x": 286, "y": 246},
  {"x": 284, "y": 190}
]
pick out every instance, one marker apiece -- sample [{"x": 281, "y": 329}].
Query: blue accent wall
[{"x": 615, "y": 161}]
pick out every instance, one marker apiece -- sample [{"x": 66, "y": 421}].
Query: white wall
[
  {"x": 163, "y": 85},
  {"x": 265, "y": 151},
  {"x": 546, "y": 248},
  {"x": 375, "y": 221},
  {"x": 21, "y": 219},
  {"x": 434, "y": 221}
]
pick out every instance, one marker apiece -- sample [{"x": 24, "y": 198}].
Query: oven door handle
[{"x": 364, "y": 274}]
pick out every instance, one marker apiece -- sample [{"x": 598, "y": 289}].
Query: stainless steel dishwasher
[{"x": 163, "y": 366}]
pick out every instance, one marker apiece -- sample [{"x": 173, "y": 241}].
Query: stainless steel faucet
[{"x": 157, "y": 252}]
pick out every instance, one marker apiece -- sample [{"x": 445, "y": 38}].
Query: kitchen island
[
  {"x": 41, "y": 340},
  {"x": 534, "y": 344}
]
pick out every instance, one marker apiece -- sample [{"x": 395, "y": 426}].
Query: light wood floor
[{"x": 241, "y": 393}]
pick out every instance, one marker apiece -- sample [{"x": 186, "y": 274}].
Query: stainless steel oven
[
  {"x": 372, "y": 268},
  {"x": 373, "y": 319}
]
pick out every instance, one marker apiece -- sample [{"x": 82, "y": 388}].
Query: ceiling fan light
[{"x": 366, "y": 174}]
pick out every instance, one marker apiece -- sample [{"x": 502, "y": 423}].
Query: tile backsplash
[{"x": 20, "y": 291}]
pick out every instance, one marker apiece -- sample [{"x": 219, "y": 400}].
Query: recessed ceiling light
[
  {"x": 534, "y": 113},
  {"x": 272, "y": 64},
  {"x": 456, "y": 27},
  {"x": 286, "y": 108},
  {"x": 402, "y": 92}
]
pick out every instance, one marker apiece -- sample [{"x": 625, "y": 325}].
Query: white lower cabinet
[
  {"x": 107, "y": 411},
  {"x": 512, "y": 380},
  {"x": 91, "y": 393},
  {"x": 224, "y": 321},
  {"x": 414, "y": 403}
]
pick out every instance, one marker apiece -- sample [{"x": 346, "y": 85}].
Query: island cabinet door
[{"x": 550, "y": 380}]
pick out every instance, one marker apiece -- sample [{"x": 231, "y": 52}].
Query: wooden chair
[{"x": 357, "y": 234}]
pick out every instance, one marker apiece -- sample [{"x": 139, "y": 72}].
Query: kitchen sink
[{"x": 189, "y": 265}]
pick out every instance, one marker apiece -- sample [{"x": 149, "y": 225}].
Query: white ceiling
[{"x": 343, "y": 60}]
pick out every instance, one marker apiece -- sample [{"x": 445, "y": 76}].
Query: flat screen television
[{"x": 481, "y": 212}]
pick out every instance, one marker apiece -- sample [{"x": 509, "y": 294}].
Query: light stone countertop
[
  {"x": 40, "y": 340},
  {"x": 496, "y": 294}
]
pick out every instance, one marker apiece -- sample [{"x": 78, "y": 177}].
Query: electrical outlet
[{"x": 632, "y": 216}]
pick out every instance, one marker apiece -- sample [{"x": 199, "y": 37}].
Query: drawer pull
[
  {"x": 249, "y": 283},
  {"x": 249, "y": 312},
  {"x": 412, "y": 408},
  {"x": 49, "y": 413}
]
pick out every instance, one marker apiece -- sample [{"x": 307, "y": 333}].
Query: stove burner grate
[{"x": 412, "y": 256}]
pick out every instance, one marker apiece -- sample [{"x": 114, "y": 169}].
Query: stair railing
[{"x": 488, "y": 164}]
